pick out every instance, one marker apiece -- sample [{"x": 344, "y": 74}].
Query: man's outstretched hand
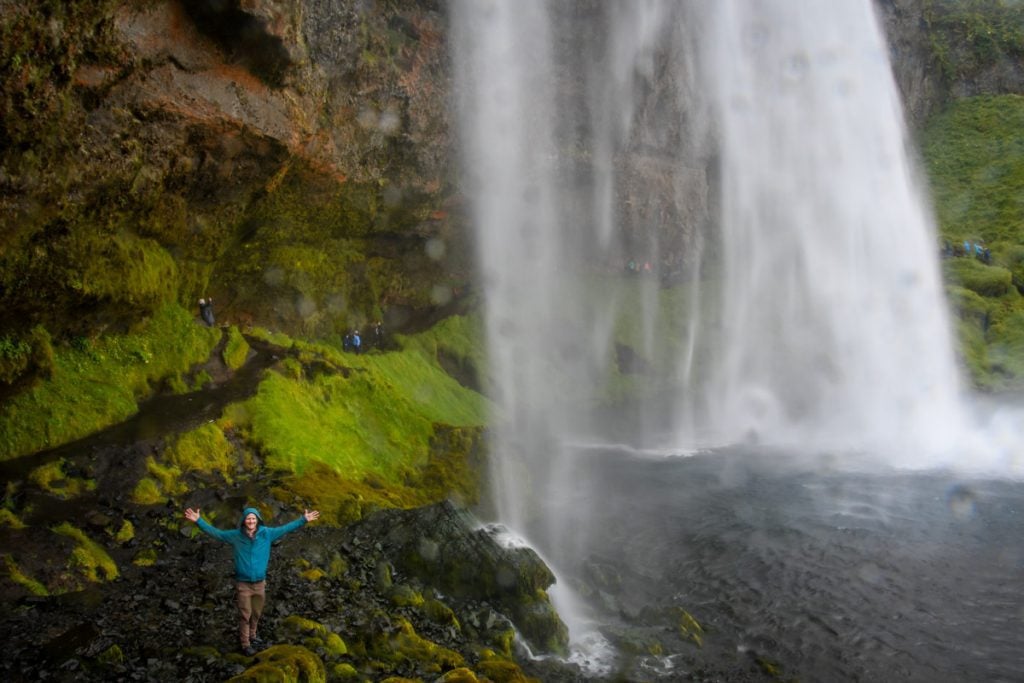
[
  {"x": 192, "y": 515},
  {"x": 310, "y": 515}
]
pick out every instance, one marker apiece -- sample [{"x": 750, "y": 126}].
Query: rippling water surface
[{"x": 833, "y": 575}]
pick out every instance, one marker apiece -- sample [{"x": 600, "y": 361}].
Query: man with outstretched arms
[{"x": 251, "y": 543}]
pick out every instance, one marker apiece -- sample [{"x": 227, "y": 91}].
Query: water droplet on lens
[
  {"x": 435, "y": 248},
  {"x": 961, "y": 501},
  {"x": 440, "y": 295}
]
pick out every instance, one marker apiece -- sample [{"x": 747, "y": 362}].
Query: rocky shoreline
[{"x": 340, "y": 607}]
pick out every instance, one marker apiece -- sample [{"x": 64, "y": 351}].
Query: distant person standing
[
  {"x": 251, "y": 542},
  {"x": 357, "y": 342},
  {"x": 206, "y": 311},
  {"x": 378, "y": 334}
]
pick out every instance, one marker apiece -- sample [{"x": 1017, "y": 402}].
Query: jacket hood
[{"x": 250, "y": 511}]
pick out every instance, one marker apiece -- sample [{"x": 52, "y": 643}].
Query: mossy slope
[
  {"x": 975, "y": 159},
  {"x": 97, "y": 382}
]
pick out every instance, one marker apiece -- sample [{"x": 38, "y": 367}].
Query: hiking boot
[{"x": 248, "y": 650}]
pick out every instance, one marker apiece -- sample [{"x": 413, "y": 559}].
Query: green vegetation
[
  {"x": 88, "y": 559},
  {"x": 24, "y": 356},
  {"x": 975, "y": 159},
  {"x": 126, "y": 533},
  {"x": 304, "y": 257},
  {"x": 967, "y": 36},
  {"x": 53, "y": 479},
  {"x": 975, "y": 156},
  {"x": 236, "y": 349},
  {"x": 380, "y": 409},
  {"x": 314, "y": 636},
  {"x": 284, "y": 663},
  {"x": 204, "y": 449},
  {"x": 98, "y": 382},
  {"x": 24, "y": 580}
]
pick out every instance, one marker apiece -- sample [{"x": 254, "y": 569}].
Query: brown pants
[{"x": 251, "y": 597}]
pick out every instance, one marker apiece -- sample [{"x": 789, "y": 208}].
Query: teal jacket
[{"x": 252, "y": 555}]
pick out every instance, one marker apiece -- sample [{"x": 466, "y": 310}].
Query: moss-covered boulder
[
  {"x": 284, "y": 664},
  {"x": 443, "y": 546}
]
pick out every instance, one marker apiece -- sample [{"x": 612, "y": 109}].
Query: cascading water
[
  {"x": 808, "y": 313},
  {"x": 835, "y": 329}
]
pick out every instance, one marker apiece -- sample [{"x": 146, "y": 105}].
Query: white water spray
[
  {"x": 807, "y": 311},
  {"x": 835, "y": 327}
]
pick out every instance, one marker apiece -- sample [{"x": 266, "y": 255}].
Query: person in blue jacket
[{"x": 251, "y": 542}]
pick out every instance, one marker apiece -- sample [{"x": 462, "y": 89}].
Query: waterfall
[
  {"x": 836, "y": 331},
  {"x": 750, "y": 160}
]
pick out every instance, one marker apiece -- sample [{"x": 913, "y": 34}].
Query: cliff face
[
  {"x": 943, "y": 51},
  {"x": 292, "y": 158},
  {"x": 156, "y": 150}
]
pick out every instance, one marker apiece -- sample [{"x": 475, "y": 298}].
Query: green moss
[
  {"x": 22, "y": 579},
  {"x": 405, "y": 596},
  {"x": 314, "y": 636},
  {"x": 276, "y": 338},
  {"x": 381, "y": 415},
  {"x": 502, "y": 671},
  {"x": 145, "y": 558},
  {"x": 286, "y": 664},
  {"x": 176, "y": 384},
  {"x": 406, "y": 645},
  {"x": 440, "y": 613},
  {"x": 1006, "y": 348},
  {"x": 204, "y": 449},
  {"x": 129, "y": 269},
  {"x": 14, "y": 358},
  {"x": 987, "y": 281},
  {"x": 20, "y": 356},
  {"x": 10, "y": 520},
  {"x": 344, "y": 672},
  {"x": 52, "y": 478},
  {"x": 690, "y": 629},
  {"x": 338, "y": 566},
  {"x": 112, "y": 656},
  {"x": 99, "y": 382},
  {"x": 167, "y": 476},
  {"x": 968, "y": 36},
  {"x": 147, "y": 492},
  {"x": 88, "y": 559},
  {"x": 460, "y": 675},
  {"x": 126, "y": 533},
  {"x": 236, "y": 350},
  {"x": 200, "y": 381},
  {"x": 313, "y": 574},
  {"x": 975, "y": 158}
]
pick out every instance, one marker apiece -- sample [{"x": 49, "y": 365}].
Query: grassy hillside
[{"x": 974, "y": 154}]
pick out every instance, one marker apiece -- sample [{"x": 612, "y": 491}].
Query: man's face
[{"x": 250, "y": 522}]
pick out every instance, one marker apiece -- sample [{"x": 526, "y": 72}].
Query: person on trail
[
  {"x": 251, "y": 542},
  {"x": 357, "y": 342},
  {"x": 378, "y": 335},
  {"x": 206, "y": 311}
]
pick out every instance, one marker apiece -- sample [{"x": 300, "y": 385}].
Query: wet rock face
[
  {"x": 259, "y": 35},
  {"x": 942, "y": 51},
  {"x": 164, "y": 132},
  {"x": 446, "y": 548}
]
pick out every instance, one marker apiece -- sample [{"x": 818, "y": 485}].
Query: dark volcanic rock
[{"x": 446, "y": 548}]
